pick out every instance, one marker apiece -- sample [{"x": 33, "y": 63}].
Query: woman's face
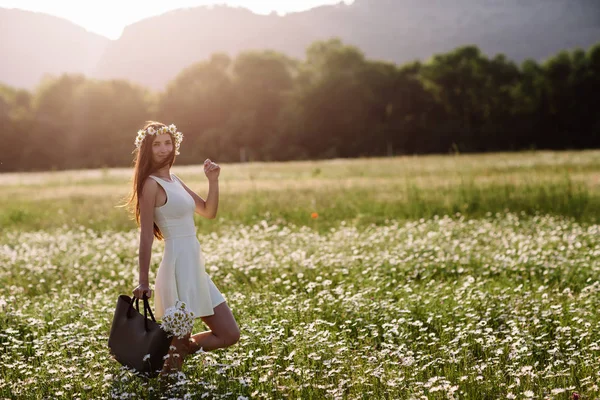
[{"x": 162, "y": 147}]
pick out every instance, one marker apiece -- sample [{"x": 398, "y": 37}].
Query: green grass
[
  {"x": 423, "y": 277},
  {"x": 359, "y": 192}
]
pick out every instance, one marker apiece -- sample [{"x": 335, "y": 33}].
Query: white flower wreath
[
  {"x": 178, "y": 136},
  {"x": 178, "y": 320}
]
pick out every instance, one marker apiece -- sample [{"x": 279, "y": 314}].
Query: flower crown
[{"x": 172, "y": 129}]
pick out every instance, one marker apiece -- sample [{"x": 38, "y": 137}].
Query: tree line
[{"x": 266, "y": 106}]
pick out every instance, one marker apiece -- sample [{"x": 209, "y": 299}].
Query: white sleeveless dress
[{"x": 181, "y": 274}]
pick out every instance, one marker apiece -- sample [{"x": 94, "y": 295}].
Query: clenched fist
[{"x": 211, "y": 170}]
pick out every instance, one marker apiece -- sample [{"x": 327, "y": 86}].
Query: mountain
[
  {"x": 391, "y": 30},
  {"x": 153, "y": 51},
  {"x": 34, "y": 44}
]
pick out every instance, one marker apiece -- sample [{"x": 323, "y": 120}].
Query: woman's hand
[
  {"x": 141, "y": 289},
  {"x": 211, "y": 170}
]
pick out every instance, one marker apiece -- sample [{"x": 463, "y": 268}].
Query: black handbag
[{"x": 134, "y": 340}]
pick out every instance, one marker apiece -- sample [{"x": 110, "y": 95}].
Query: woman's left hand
[
  {"x": 141, "y": 290},
  {"x": 211, "y": 170}
]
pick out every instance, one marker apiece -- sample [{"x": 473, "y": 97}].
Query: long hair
[{"x": 144, "y": 166}]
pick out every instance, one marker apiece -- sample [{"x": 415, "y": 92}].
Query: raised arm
[{"x": 206, "y": 208}]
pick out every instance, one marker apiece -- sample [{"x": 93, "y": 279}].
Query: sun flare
[{"x": 109, "y": 18}]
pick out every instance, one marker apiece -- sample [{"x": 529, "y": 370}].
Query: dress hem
[{"x": 213, "y": 313}]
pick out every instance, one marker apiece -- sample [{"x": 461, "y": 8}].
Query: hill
[
  {"x": 34, "y": 44},
  {"x": 153, "y": 51}
]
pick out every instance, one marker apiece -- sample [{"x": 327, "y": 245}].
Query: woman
[{"x": 164, "y": 208}]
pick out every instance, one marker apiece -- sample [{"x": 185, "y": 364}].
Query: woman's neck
[{"x": 163, "y": 173}]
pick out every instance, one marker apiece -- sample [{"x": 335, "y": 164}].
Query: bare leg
[
  {"x": 179, "y": 350},
  {"x": 224, "y": 331}
]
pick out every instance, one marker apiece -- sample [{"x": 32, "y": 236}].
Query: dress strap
[
  {"x": 156, "y": 178},
  {"x": 161, "y": 182},
  {"x": 175, "y": 178}
]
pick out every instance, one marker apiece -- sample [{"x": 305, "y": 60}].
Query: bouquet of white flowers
[{"x": 178, "y": 320}]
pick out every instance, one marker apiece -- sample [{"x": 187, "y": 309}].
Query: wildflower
[
  {"x": 178, "y": 320},
  {"x": 172, "y": 129}
]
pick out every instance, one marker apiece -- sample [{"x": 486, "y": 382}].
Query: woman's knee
[
  {"x": 223, "y": 325},
  {"x": 232, "y": 337}
]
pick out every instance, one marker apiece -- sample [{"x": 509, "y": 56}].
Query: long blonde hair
[{"x": 144, "y": 167}]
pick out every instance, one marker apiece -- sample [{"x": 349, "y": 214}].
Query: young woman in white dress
[{"x": 164, "y": 208}]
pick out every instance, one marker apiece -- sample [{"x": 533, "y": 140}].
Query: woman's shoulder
[
  {"x": 149, "y": 185},
  {"x": 150, "y": 180}
]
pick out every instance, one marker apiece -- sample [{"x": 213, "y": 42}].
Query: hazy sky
[{"x": 109, "y": 17}]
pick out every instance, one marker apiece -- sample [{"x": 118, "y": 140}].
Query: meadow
[{"x": 442, "y": 277}]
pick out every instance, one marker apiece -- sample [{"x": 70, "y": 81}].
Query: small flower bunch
[
  {"x": 178, "y": 320},
  {"x": 172, "y": 129}
]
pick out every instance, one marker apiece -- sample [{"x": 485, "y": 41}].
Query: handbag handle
[{"x": 146, "y": 309}]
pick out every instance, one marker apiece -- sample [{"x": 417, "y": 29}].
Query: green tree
[
  {"x": 15, "y": 127},
  {"x": 261, "y": 83},
  {"x": 54, "y": 103},
  {"x": 107, "y": 115},
  {"x": 331, "y": 97},
  {"x": 474, "y": 92},
  {"x": 199, "y": 101}
]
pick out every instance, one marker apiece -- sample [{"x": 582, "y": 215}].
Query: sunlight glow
[{"x": 109, "y": 17}]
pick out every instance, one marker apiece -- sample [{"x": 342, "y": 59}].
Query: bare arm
[
  {"x": 147, "y": 202},
  {"x": 212, "y": 201},
  {"x": 207, "y": 208}
]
